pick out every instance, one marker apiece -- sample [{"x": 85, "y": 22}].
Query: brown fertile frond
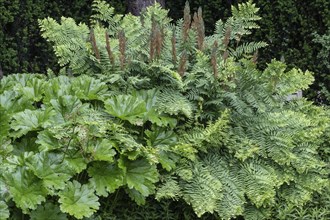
[
  {"x": 122, "y": 48},
  {"x": 94, "y": 46},
  {"x": 152, "y": 39},
  {"x": 159, "y": 40},
  {"x": 255, "y": 57},
  {"x": 186, "y": 21},
  {"x": 214, "y": 59},
  {"x": 200, "y": 28},
  {"x": 225, "y": 55},
  {"x": 182, "y": 65},
  {"x": 110, "y": 54},
  {"x": 156, "y": 39},
  {"x": 194, "y": 21},
  {"x": 227, "y": 37}
]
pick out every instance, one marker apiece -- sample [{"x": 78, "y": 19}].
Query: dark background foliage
[
  {"x": 287, "y": 26},
  {"x": 22, "y": 49}
]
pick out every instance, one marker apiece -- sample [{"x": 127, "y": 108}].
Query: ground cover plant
[{"x": 153, "y": 120}]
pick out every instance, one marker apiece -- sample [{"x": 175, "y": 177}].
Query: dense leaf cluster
[{"x": 144, "y": 112}]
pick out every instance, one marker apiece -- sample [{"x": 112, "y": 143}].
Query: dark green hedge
[{"x": 287, "y": 26}]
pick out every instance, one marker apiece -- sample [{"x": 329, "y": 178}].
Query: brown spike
[
  {"x": 159, "y": 40},
  {"x": 255, "y": 57},
  {"x": 194, "y": 23},
  {"x": 94, "y": 46},
  {"x": 225, "y": 55},
  {"x": 214, "y": 59},
  {"x": 173, "y": 40},
  {"x": 186, "y": 21},
  {"x": 183, "y": 61},
  {"x": 200, "y": 29},
  {"x": 122, "y": 48},
  {"x": 227, "y": 37},
  {"x": 110, "y": 54},
  {"x": 152, "y": 39}
]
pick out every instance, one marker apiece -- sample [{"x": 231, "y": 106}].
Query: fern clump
[{"x": 145, "y": 110}]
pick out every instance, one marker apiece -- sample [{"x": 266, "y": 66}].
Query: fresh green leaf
[
  {"x": 26, "y": 144},
  {"x": 102, "y": 150},
  {"x": 161, "y": 142},
  {"x": 4, "y": 193},
  {"x": 13, "y": 102},
  {"x": 26, "y": 189},
  {"x": 127, "y": 107},
  {"x": 51, "y": 168},
  {"x": 78, "y": 200},
  {"x": 76, "y": 162},
  {"x": 136, "y": 196},
  {"x": 173, "y": 103},
  {"x": 160, "y": 137},
  {"x": 47, "y": 141},
  {"x": 4, "y": 124},
  {"x": 89, "y": 88},
  {"x": 4, "y": 211},
  {"x": 106, "y": 178},
  {"x": 57, "y": 87},
  {"x": 48, "y": 211},
  {"x": 33, "y": 90},
  {"x": 66, "y": 105},
  {"x": 29, "y": 120},
  {"x": 140, "y": 175}
]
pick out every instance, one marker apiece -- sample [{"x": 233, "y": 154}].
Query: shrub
[{"x": 147, "y": 110}]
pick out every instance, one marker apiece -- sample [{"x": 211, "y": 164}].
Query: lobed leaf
[
  {"x": 25, "y": 188},
  {"x": 78, "y": 200},
  {"x": 51, "y": 168},
  {"x": 105, "y": 177},
  {"x": 48, "y": 211},
  {"x": 139, "y": 175},
  {"x": 127, "y": 107}
]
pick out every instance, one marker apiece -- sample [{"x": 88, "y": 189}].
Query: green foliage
[
  {"x": 25, "y": 188},
  {"x": 105, "y": 178},
  {"x": 48, "y": 211},
  {"x": 144, "y": 109},
  {"x": 78, "y": 200},
  {"x": 69, "y": 147},
  {"x": 4, "y": 210},
  {"x": 324, "y": 57}
]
